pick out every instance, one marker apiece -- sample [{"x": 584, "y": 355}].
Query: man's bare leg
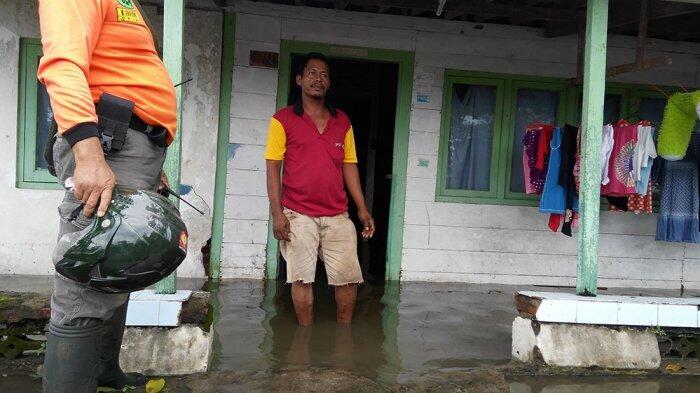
[
  {"x": 303, "y": 297},
  {"x": 345, "y": 297}
]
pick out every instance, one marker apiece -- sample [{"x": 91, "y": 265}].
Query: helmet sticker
[{"x": 183, "y": 241}]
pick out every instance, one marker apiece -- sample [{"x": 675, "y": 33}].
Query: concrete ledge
[
  {"x": 186, "y": 349},
  {"x": 609, "y": 310},
  {"x": 572, "y": 345}
]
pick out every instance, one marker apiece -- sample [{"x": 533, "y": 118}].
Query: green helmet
[{"x": 140, "y": 240}]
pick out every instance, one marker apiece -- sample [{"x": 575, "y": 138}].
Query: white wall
[
  {"x": 28, "y": 218},
  {"x": 26, "y": 236},
  {"x": 445, "y": 241}
]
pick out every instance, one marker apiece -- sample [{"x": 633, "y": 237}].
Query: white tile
[
  {"x": 596, "y": 313},
  {"x": 142, "y": 313},
  {"x": 149, "y": 294},
  {"x": 135, "y": 295},
  {"x": 636, "y": 314},
  {"x": 179, "y": 296},
  {"x": 557, "y": 311},
  {"x": 169, "y": 313},
  {"x": 678, "y": 316},
  {"x": 422, "y": 190}
]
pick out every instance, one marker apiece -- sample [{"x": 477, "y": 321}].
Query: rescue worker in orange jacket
[{"x": 92, "y": 48}]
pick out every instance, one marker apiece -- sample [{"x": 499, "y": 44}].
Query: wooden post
[
  {"x": 173, "y": 23},
  {"x": 591, "y": 126}
]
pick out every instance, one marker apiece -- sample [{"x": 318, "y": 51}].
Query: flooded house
[{"x": 440, "y": 94}]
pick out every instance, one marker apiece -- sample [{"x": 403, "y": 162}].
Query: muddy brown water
[{"x": 405, "y": 337}]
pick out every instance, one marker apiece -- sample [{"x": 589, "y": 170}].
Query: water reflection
[{"x": 368, "y": 347}]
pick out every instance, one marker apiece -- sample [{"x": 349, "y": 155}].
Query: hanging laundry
[
  {"x": 644, "y": 155},
  {"x": 566, "y": 173},
  {"x": 678, "y": 217},
  {"x": 536, "y": 156},
  {"x": 554, "y": 196},
  {"x": 529, "y": 189},
  {"x": 617, "y": 203},
  {"x": 680, "y": 205},
  {"x": 634, "y": 203},
  {"x": 621, "y": 172},
  {"x": 606, "y": 149},
  {"x": 577, "y": 165},
  {"x": 543, "y": 146},
  {"x": 642, "y": 203}
]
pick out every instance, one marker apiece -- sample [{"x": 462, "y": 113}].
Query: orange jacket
[{"x": 97, "y": 46}]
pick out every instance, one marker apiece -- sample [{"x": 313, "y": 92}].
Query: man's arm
[
  {"x": 69, "y": 33},
  {"x": 352, "y": 182},
  {"x": 351, "y": 175},
  {"x": 274, "y": 154},
  {"x": 281, "y": 227}
]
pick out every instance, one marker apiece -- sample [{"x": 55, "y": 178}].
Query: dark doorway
[{"x": 366, "y": 92}]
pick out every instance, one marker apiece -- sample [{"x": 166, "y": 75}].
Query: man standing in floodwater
[{"x": 309, "y": 205}]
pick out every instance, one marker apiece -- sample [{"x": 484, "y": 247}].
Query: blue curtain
[{"x": 471, "y": 137}]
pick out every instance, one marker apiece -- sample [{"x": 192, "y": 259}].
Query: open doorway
[{"x": 367, "y": 92}]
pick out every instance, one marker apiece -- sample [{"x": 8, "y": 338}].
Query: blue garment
[
  {"x": 642, "y": 186},
  {"x": 678, "y": 217},
  {"x": 553, "y": 198}
]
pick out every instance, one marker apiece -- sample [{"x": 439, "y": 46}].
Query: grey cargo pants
[{"x": 136, "y": 165}]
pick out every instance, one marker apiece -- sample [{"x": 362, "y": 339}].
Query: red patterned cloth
[{"x": 639, "y": 203}]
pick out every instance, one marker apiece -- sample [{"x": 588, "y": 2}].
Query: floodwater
[
  {"x": 405, "y": 337},
  {"x": 401, "y": 334}
]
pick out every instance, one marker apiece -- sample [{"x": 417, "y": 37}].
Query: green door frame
[
  {"x": 405, "y": 61},
  {"x": 228, "y": 41}
]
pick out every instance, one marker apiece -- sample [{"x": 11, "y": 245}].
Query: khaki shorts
[{"x": 333, "y": 239}]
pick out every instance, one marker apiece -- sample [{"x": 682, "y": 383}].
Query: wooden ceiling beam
[
  {"x": 478, "y": 7},
  {"x": 625, "y": 15}
]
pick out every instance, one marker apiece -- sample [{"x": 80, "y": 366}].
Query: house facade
[{"x": 441, "y": 223}]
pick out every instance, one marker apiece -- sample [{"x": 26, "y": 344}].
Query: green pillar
[
  {"x": 591, "y": 125},
  {"x": 217, "y": 225},
  {"x": 173, "y": 23}
]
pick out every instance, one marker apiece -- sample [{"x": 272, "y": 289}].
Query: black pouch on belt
[{"x": 113, "y": 117}]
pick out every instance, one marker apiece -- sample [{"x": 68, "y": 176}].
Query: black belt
[
  {"x": 139, "y": 125},
  {"x": 156, "y": 133}
]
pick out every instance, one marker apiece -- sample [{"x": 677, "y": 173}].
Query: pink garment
[
  {"x": 526, "y": 173},
  {"x": 621, "y": 172}
]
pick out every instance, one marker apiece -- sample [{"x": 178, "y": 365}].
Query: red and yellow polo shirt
[{"x": 312, "y": 179}]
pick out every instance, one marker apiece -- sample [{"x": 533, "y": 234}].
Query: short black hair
[
  {"x": 298, "y": 108},
  {"x": 311, "y": 56}
]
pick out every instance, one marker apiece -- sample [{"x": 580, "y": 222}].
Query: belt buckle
[{"x": 106, "y": 141}]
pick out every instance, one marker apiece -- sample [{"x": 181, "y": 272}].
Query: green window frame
[
  {"x": 503, "y": 134},
  {"x": 29, "y": 174},
  {"x": 507, "y": 86}
]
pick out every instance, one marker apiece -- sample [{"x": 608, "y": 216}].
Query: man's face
[{"x": 316, "y": 79}]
